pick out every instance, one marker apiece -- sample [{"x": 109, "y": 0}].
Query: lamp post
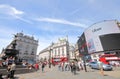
[
  {"x": 50, "y": 58},
  {"x": 50, "y": 51},
  {"x": 83, "y": 49},
  {"x": 84, "y": 61}
]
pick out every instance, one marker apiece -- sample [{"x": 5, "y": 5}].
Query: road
[{"x": 54, "y": 73}]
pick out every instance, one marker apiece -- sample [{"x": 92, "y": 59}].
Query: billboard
[
  {"x": 110, "y": 41},
  {"x": 100, "y": 35},
  {"x": 82, "y": 45}
]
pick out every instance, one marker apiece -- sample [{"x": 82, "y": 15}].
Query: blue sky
[{"x": 48, "y": 20}]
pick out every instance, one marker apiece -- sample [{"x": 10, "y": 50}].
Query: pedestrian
[
  {"x": 66, "y": 66},
  {"x": 101, "y": 67},
  {"x": 13, "y": 67},
  {"x": 62, "y": 66},
  {"x": 36, "y": 66},
  {"x": 74, "y": 68},
  {"x": 4, "y": 64},
  {"x": 71, "y": 64},
  {"x": 59, "y": 66},
  {"x": 9, "y": 71},
  {"x": 43, "y": 66},
  {"x": 1, "y": 76}
]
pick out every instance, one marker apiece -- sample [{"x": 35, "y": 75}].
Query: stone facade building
[
  {"x": 26, "y": 45},
  {"x": 72, "y": 53},
  {"x": 56, "y": 52}
]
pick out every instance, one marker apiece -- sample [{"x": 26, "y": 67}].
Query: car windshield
[{"x": 93, "y": 62}]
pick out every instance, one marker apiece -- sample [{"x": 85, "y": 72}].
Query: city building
[
  {"x": 100, "y": 39},
  {"x": 77, "y": 54},
  {"x": 56, "y": 52},
  {"x": 44, "y": 54},
  {"x": 72, "y": 53},
  {"x": 26, "y": 45}
]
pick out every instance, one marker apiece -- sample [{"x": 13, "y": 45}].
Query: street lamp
[
  {"x": 83, "y": 49},
  {"x": 84, "y": 61},
  {"x": 50, "y": 51},
  {"x": 50, "y": 58}
]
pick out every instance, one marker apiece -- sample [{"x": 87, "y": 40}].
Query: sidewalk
[
  {"x": 115, "y": 73},
  {"x": 53, "y": 73}
]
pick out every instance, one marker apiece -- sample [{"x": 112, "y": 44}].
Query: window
[
  {"x": 58, "y": 51},
  {"x": 55, "y": 52},
  {"x": 62, "y": 51},
  {"x": 32, "y": 53},
  {"x": 26, "y": 52}
]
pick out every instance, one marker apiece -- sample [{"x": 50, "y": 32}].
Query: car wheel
[{"x": 91, "y": 67}]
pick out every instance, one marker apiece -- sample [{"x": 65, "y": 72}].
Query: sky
[{"x": 48, "y": 20}]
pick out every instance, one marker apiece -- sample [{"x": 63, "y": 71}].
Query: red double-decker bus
[
  {"x": 59, "y": 60},
  {"x": 106, "y": 58}
]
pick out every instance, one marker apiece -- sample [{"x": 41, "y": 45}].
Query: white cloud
[
  {"x": 6, "y": 9},
  {"x": 61, "y": 21},
  {"x": 22, "y": 19},
  {"x": 13, "y": 12}
]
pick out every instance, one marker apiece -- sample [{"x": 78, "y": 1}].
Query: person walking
[
  {"x": 71, "y": 65},
  {"x": 13, "y": 67},
  {"x": 36, "y": 66},
  {"x": 62, "y": 66},
  {"x": 43, "y": 66},
  {"x": 74, "y": 68},
  {"x": 59, "y": 66},
  {"x": 101, "y": 67},
  {"x": 1, "y": 76},
  {"x": 8, "y": 71}
]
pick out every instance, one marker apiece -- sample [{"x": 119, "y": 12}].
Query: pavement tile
[{"x": 53, "y": 73}]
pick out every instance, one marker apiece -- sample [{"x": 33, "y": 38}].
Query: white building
[
  {"x": 72, "y": 53},
  {"x": 57, "y": 52},
  {"x": 26, "y": 45},
  {"x": 44, "y": 54}
]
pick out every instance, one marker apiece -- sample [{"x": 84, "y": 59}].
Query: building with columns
[
  {"x": 72, "y": 53},
  {"x": 44, "y": 54},
  {"x": 56, "y": 52},
  {"x": 26, "y": 45}
]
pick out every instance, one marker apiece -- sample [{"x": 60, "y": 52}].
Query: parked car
[
  {"x": 95, "y": 65},
  {"x": 87, "y": 63}
]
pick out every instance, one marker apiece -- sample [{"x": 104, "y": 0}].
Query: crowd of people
[
  {"x": 62, "y": 66},
  {"x": 9, "y": 63},
  {"x": 10, "y": 66},
  {"x": 72, "y": 66},
  {"x": 36, "y": 66}
]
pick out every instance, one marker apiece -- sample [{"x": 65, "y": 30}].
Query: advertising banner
[{"x": 95, "y": 33}]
